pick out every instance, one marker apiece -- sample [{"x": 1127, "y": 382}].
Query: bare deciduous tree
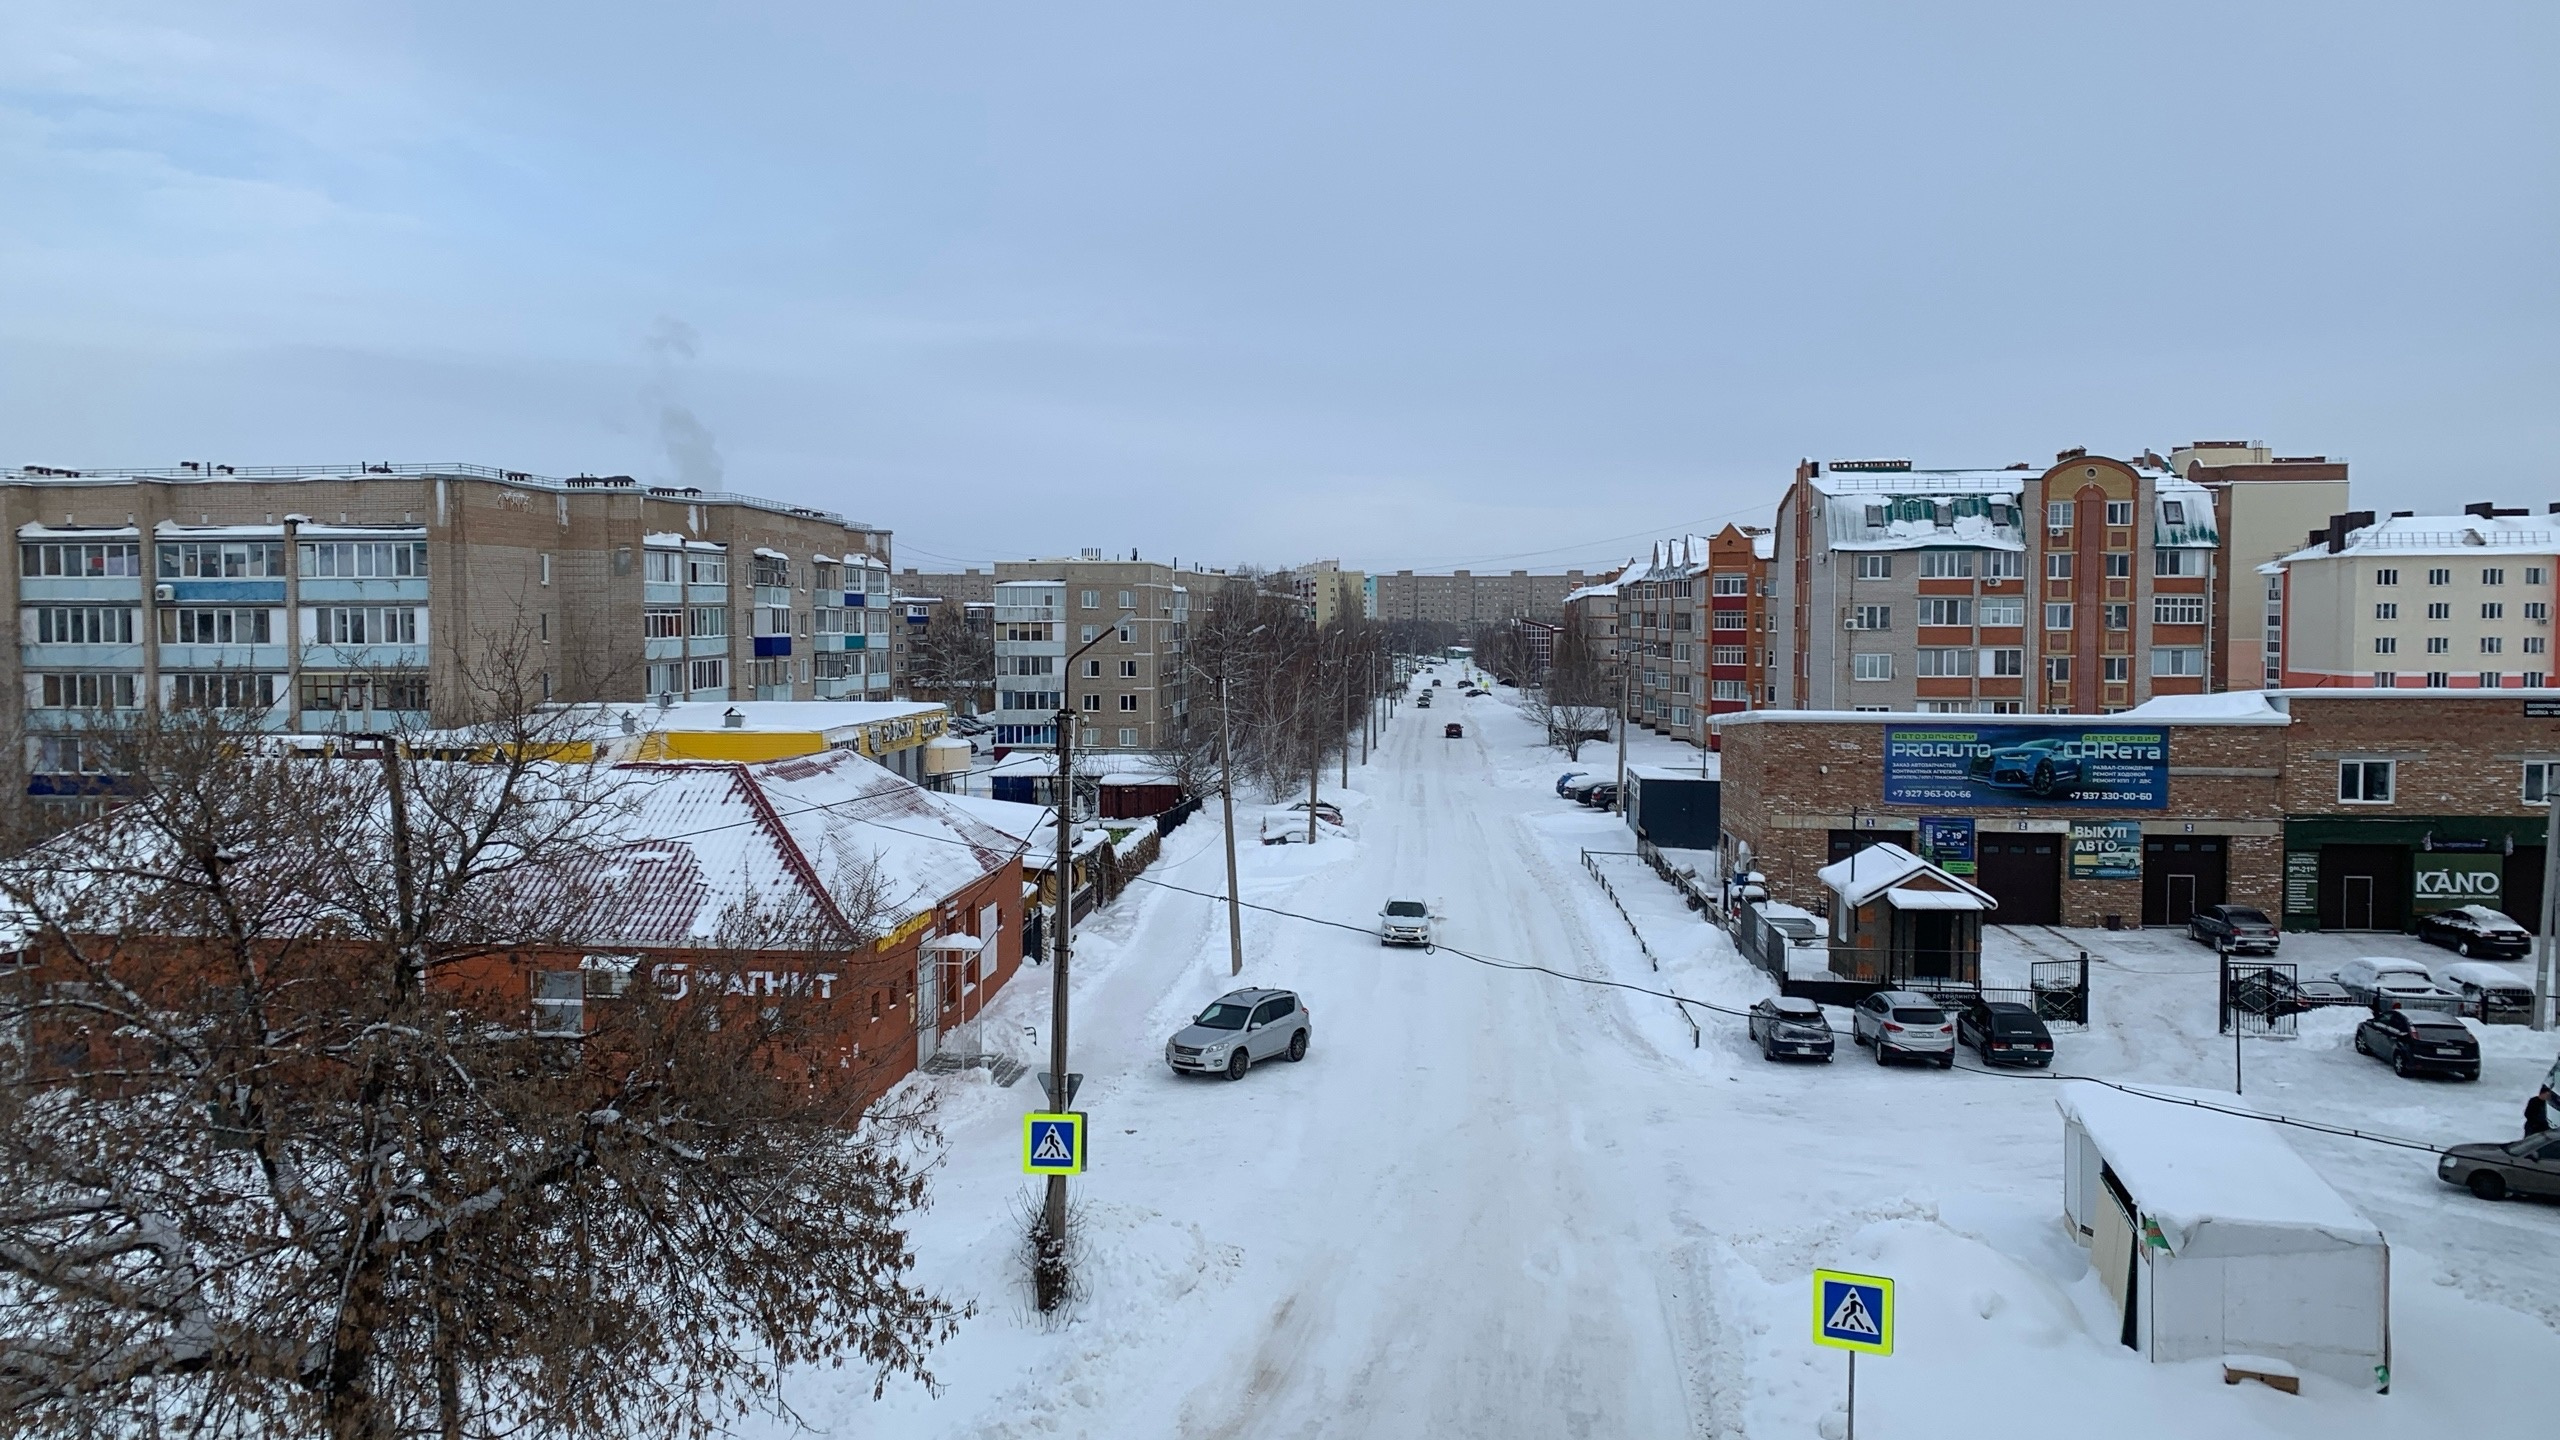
[
  {"x": 285, "y": 1152},
  {"x": 1575, "y": 701},
  {"x": 950, "y": 661}
]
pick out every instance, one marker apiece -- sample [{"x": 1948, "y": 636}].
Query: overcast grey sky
[{"x": 1489, "y": 284}]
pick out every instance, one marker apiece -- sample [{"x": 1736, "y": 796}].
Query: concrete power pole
[
  {"x": 1062, "y": 869},
  {"x": 2546, "y": 967},
  {"x": 1227, "y": 803}
]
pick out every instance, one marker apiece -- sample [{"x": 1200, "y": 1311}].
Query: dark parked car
[
  {"x": 1453, "y": 731},
  {"x": 2048, "y": 767},
  {"x": 2476, "y": 930},
  {"x": 1326, "y": 811},
  {"x": 2269, "y": 992},
  {"x": 1785, "y": 1026},
  {"x": 2530, "y": 1166},
  {"x": 2239, "y": 929},
  {"x": 2421, "y": 1043},
  {"x": 1568, "y": 778},
  {"x": 1602, "y": 795},
  {"x": 2004, "y": 1032}
]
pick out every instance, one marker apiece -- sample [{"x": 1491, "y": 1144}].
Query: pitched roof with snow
[
  {"x": 1885, "y": 866},
  {"x": 2436, "y": 535}
]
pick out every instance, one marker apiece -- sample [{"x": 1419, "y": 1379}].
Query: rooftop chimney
[
  {"x": 731, "y": 719},
  {"x": 2074, "y": 453},
  {"x": 2484, "y": 509}
]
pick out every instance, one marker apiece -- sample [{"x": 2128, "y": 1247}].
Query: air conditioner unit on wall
[{"x": 164, "y": 593}]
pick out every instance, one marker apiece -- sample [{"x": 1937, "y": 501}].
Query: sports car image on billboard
[
  {"x": 2026, "y": 764},
  {"x": 2047, "y": 766}
]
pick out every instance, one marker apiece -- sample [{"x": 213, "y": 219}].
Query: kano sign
[{"x": 2440, "y": 881}]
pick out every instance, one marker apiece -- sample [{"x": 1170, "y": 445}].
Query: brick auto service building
[{"x": 2336, "y": 810}]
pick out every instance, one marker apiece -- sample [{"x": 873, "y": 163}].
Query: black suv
[
  {"x": 2004, "y": 1032},
  {"x": 2424, "y": 1044},
  {"x": 2234, "y": 929}
]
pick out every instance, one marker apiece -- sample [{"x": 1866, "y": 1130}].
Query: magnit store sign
[{"x": 2441, "y": 881}]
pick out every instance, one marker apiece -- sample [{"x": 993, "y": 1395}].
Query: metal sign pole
[{"x": 1853, "y": 1395}]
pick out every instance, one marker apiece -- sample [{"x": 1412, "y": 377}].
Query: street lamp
[
  {"x": 1053, "y": 1216},
  {"x": 1227, "y": 808}
]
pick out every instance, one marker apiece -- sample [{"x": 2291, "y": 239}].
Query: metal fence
[
  {"x": 1593, "y": 865},
  {"x": 2259, "y": 997}
]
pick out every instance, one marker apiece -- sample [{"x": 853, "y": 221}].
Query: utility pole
[
  {"x": 1053, "y": 1214},
  {"x": 2546, "y": 968},
  {"x": 1626, "y": 692},
  {"x": 1227, "y": 803}
]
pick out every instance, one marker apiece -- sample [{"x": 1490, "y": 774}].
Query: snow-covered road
[{"x": 1497, "y": 1204}]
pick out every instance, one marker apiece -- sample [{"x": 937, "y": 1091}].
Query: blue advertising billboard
[{"x": 2117, "y": 768}]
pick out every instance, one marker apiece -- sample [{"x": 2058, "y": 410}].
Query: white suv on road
[
  {"x": 1404, "y": 922},
  {"x": 1905, "y": 1023}
]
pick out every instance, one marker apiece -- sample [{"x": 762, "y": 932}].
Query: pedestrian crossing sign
[
  {"x": 1853, "y": 1312},
  {"x": 1053, "y": 1143}
]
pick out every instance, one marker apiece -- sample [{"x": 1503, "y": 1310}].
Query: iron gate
[{"x": 2259, "y": 997}]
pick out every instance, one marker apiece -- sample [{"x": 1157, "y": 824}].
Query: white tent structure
[{"x": 2215, "y": 1239}]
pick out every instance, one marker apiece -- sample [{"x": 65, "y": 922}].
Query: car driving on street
[
  {"x": 1453, "y": 731},
  {"x": 1238, "y": 1028},
  {"x": 2530, "y": 1166},
  {"x": 2421, "y": 1044},
  {"x": 2237, "y": 929},
  {"x": 1904, "y": 1023},
  {"x": 1404, "y": 922},
  {"x": 1788, "y": 1027},
  {"x": 2476, "y": 930},
  {"x": 2004, "y": 1032}
]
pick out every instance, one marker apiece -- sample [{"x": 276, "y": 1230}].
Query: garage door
[
  {"x": 2023, "y": 873},
  {"x": 2182, "y": 874}
]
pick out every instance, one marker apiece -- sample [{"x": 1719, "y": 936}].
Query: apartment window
[
  {"x": 1733, "y": 690},
  {"x": 1944, "y": 611},
  {"x": 190, "y": 625},
  {"x": 1732, "y": 655},
  {"x": 1870, "y": 666},
  {"x": 2116, "y": 617},
  {"x": 2116, "y": 669},
  {"x": 2492, "y": 644},
  {"x": 2365, "y": 782},
  {"x": 1028, "y": 664},
  {"x": 2440, "y": 577},
  {"x": 2057, "y": 566},
  {"x": 2119, "y": 564},
  {"x": 2057, "y": 617},
  {"x": 1128, "y": 736},
  {"x": 2533, "y": 574},
  {"x": 1731, "y": 620},
  {"x": 110, "y": 560},
  {"x": 355, "y": 691},
  {"x": 2119, "y": 512},
  {"x": 1946, "y": 707},
  {"x": 1946, "y": 564},
  {"x": 2538, "y": 775},
  {"x": 1089, "y": 600},
  {"x": 710, "y": 622},
  {"x": 2439, "y": 645},
  {"x": 2008, "y": 610},
  {"x": 223, "y": 690},
  {"x": 2493, "y": 610},
  {"x": 706, "y": 569},
  {"x": 559, "y": 1002},
  {"x": 1092, "y": 669},
  {"x": 2057, "y": 669},
  {"x": 2440, "y": 610},
  {"x": 772, "y": 620},
  {"x": 2172, "y": 512},
  {"x": 2492, "y": 679},
  {"x": 1091, "y": 702},
  {"x": 2386, "y": 577},
  {"x": 2438, "y": 679},
  {"x": 2057, "y": 515},
  {"x": 546, "y": 569},
  {"x": 2275, "y": 588},
  {"x": 2177, "y": 562},
  {"x": 2534, "y": 679},
  {"x": 2005, "y": 662},
  {"x": 2004, "y": 707},
  {"x": 2385, "y": 680},
  {"x": 711, "y": 674},
  {"x": 369, "y": 625},
  {"x": 1875, "y": 517},
  {"x": 2536, "y": 610},
  {"x": 2386, "y": 645},
  {"x": 2177, "y": 660},
  {"x": 2386, "y": 610},
  {"x": 1127, "y": 600},
  {"x": 215, "y": 560},
  {"x": 1128, "y": 633},
  {"x": 1872, "y": 709},
  {"x": 2493, "y": 576},
  {"x": 1129, "y": 702},
  {"x": 87, "y": 625},
  {"x": 661, "y": 567},
  {"x": 1946, "y": 662},
  {"x": 88, "y": 692},
  {"x": 1732, "y": 585},
  {"x": 2003, "y": 565},
  {"x": 1088, "y": 632},
  {"x": 1128, "y": 669},
  {"x": 2177, "y": 609},
  {"x": 665, "y": 677},
  {"x": 1875, "y": 567},
  {"x": 772, "y": 572},
  {"x": 2533, "y": 645},
  {"x": 662, "y": 624},
  {"x": 358, "y": 559},
  {"x": 1871, "y": 617}
]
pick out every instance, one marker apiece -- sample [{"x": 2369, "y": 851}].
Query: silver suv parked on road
[
  {"x": 1904, "y": 1023},
  {"x": 1238, "y": 1028}
]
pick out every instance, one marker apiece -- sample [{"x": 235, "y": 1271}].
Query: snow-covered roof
[
  {"x": 1922, "y": 509},
  {"x": 664, "y": 539},
  {"x": 1592, "y": 592},
  {"x": 2248, "y": 706},
  {"x": 1884, "y": 867},
  {"x": 2177, "y": 710},
  {"x": 1764, "y": 545},
  {"x": 79, "y": 532},
  {"x": 1921, "y": 482},
  {"x": 2194, "y": 528},
  {"x": 1714, "y": 767},
  {"x": 825, "y": 717},
  {"x": 2438, "y": 535},
  {"x": 2212, "y": 1182},
  {"x": 767, "y": 553}
]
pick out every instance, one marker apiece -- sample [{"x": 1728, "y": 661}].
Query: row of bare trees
[
  {"x": 1572, "y": 693},
  {"x": 1295, "y": 700},
  {"x": 281, "y": 1153}
]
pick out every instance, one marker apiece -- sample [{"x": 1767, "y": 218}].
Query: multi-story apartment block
[
  {"x": 1741, "y": 633},
  {"x": 2263, "y": 504},
  {"x": 1464, "y": 598},
  {"x": 1593, "y": 612},
  {"x": 363, "y": 597},
  {"x": 2421, "y": 601},
  {"x": 1129, "y": 691},
  {"x": 2085, "y": 589},
  {"x": 1662, "y": 630},
  {"x": 1332, "y": 594}
]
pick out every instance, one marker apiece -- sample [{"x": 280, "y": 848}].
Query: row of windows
[
  {"x": 693, "y": 567},
  {"x": 87, "y": 561},
  {"x": 353, "y": 691},
  {"x": 356, "y": 559},
  {"x": 1936, "y": 512},
  {"x": 2443, "y": 575},
  {"x": 1949, "y": 565},
  {"x": 2008, "y": 662},
  {"x": 2443, "y": 679},
  {"x": 671, "y": 676},
  {"x": 227, "y": 559},
  {"x": 234, "y": 689},
  {"x": 2443, "y": 645},
  {"x": 1094, "y": 702},
  {"x": 2443, "y": 610}
]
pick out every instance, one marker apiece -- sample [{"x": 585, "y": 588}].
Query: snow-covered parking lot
[{"x": 1497, "y": 1203}]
